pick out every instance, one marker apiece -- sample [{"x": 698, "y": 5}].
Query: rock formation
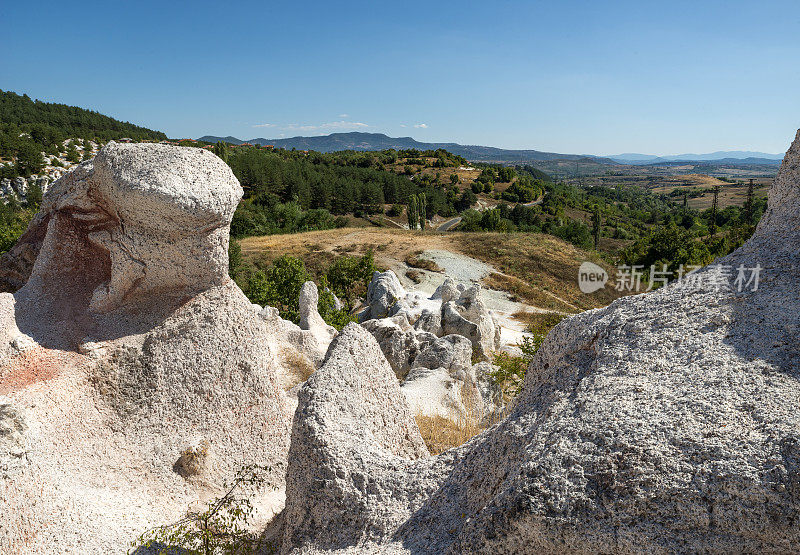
[
  {"x": 351, "y": 415},
  {"x": 385, "y": 296},
  {"x": 399, "y": 342},
  {"x": 468, "y": 316},
  {"x": 452, "y": 352},
  {"x": 665, "y": 422},
  {"x": 310, "y": 318},
  {"x": 135, "y": 375}
]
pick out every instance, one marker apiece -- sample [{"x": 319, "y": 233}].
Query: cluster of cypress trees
[{"x": 417, "y": 211}]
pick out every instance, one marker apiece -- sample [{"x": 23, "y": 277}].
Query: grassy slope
[{"x": 540, "y": 270}]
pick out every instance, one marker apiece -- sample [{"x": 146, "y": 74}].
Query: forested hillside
[
  {"x": 30, "y": 127},
  {"x": 287, "y": 191}
]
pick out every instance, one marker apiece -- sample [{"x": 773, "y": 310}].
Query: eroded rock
[
  {"x": 136, "y": 342},
  {"x": 384, "y": 296}
]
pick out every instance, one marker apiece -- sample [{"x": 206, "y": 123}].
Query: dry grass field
[{"x": 538, "y": 270}]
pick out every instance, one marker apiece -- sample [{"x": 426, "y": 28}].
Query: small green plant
[
  {"x": 220, "y": 528},
  {"x": 510, "y": 370}
]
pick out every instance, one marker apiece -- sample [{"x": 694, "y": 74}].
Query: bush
[
  {"x": 220, "y": 528},
  {"x": 279, "y": 286},
  {"x": 395, "y": 210},
  {"x": 349, "y": 277},
  {"x": 575, "y": 232},
  {"x": 510, "y": 370}
]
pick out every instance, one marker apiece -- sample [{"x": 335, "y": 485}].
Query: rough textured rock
[
  {"x": 127, "y": 344},
  {"x": 351, "y": 415},
  {"x": 435, "y": 392},
  {"x": 452, "y": 352},
  {"x": 384, "y": 296},
  {"x": 448, "y": 291},
  {"x": 289, "y": 340},
  {"x": 665, "y": 422},
  {"x": 310, "y": 318},
  {"x": 430, "y": 322},
  {"x": 399, "y": 342},
  {"x": 468, "y": 316},
  {"x": 443, "y": 382},
  {"x": 12, "y": 438}
]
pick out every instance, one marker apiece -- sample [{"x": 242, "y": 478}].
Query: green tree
[
  {"x": 454, "y": 179},
  {"x": 29, "y": 159},
  {"x": 422, "y": 207},
  {"x": 221, "y": 150},
  {"x": 72, "y": 153},
  {"x": 596, "y": 225},
  {"x": 412, "y": 212},
  {"x": 33, "y": 198},
  {"x": 279, "y": 286},
  {"x": 349, "y": 277}
]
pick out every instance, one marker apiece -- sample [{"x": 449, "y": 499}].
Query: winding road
[{"x": 450, "y": 224}]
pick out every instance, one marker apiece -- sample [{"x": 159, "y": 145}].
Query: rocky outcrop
[
  {"x": 351, "y": 416},
  {"x": 468, "y": 316},
  {"x": 142, "y": 374},
  {"x": 399, "y": 342},
  {"x": 291, "y": 340},
  {"x": 444, "y": 382},
  {"x": 448, "y": 290},
  {"x": 385, "y": 297},
  {"x": 429, "y": 321},
  {"x": 451, "y": 352},
  {"x": 310, "y": 318},
  {"x": 665, "y": 422}
]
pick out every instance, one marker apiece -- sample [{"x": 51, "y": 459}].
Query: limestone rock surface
[
  {"x": 451, "y": 352},
  {"x": 310, "y": 318},
  {"x": 400, "y": 343},
  {"x": 351, "y": 414}
]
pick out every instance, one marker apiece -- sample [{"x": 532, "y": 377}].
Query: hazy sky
[{"x": 601, "y": 77}]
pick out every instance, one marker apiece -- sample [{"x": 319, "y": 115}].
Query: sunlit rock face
[
  {"x": 135, "y": 376},
  {"x": 141, "y": 224},
  {"x": 665, "y": 422}
]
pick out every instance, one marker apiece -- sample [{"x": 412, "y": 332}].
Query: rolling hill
[
  {"x": 379, "y": 141},
  {"x": 723, "y": 156}
]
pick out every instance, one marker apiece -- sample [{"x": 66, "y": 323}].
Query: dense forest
[
  {"x": 288, "y": 191},
  {"x": 30, "y": 127}
]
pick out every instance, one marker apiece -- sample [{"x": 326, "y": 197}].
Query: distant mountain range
[
  {"x": 378, "y": 141},
  {"x": 723, "y": 156}
]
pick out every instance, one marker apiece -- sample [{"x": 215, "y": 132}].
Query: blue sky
[{"x": 571, "y": 76}]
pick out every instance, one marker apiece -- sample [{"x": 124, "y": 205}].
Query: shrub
[
  {"x": 220, "y": 528},
  {"x": 349, "y": 276},
  {"x": 279, "y": 286},
  {"x": 510, "y": 370}
]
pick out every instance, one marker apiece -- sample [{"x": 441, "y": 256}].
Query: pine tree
[
  {"x": 713, "y": 225},
  {"x": 748, "y": 205},
  {"x": 221, "y": 150},
  {"x": 72, "y": 153}
]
